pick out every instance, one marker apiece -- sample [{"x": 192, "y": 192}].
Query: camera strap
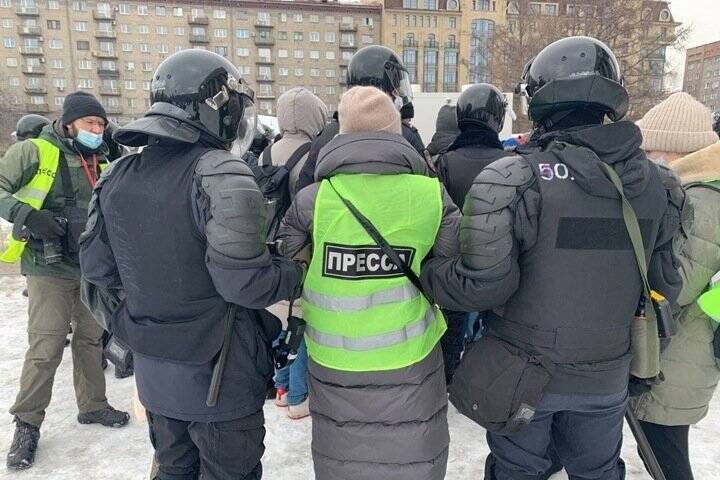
[{"x": 68, "y": 190}]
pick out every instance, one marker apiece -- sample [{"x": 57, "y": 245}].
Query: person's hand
[
  {"x": 638, "y": 386},
  {"x": 42, "y": 225}
]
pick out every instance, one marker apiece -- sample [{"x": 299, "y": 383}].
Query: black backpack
[{"x": 273, "y": 181}]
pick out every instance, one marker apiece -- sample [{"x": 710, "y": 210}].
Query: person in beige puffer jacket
[
  {"x": 301, "y": 115},
  {"x": 671, "y": 130}
]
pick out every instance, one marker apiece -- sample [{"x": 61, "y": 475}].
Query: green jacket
[
  {"x": 17, "y": 167},
  {"x": 691, "y": 370}
]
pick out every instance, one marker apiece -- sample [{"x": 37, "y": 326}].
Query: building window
[
  {"x": 11, "y": 62},
  {"x": 314, "y": 72},
  {"x": 77, "y": 6},
  {"x": 130, "y": 84},
  {"x": 9, "y": 42},
  {"x": 315, "y": 54},
  {"x": 161, "y": 30},
  {"x": 56, "y": 64},
  {"x": 162, "y": 48},
  {"x": 410, "y": 4},
  {"x": 410, "y": 58},
  {"x": 59, "y": 83},
  {"x": 347, "y": 39},
  {"x": 430, "y": 67},
  {"x": 144, "y": 48},
  {"x": 220, "y": 33},
  {"x": 144, "y": 29},
  {"x": 263, "y": 18},
  {"x": 130, "y": 66},
  {"x": 367, "y": 39},
  {"x": 299, "y": 54},
  {"x": 221, "y": 50},
  {"x": 265, "y": 54},
  {"x": 85, "y": 64},
  {"x": 125, "y": 28},
  {"x": 283, "y": 17},
  {"x": 298, "y": 36},
  {"x": 298, "y": 17},
  {"x": 330, "y": 19},
  {"x": 177, "y": 12},
  {"x": 329, "y": 73},
  {"x": 243, "y": 52},
  {"x": 55, "y": 44},
  {"x": 450, "y": 72},
  {"x": 81, "y": 26},
  {"x": 480, "y": 50},
  {"x": 299, "y": 72},
  {"x": 160, "y": 11},
  {"x": 53, "y": 5},
  {"x": 146, "y": 86},
  {"x": 283, "y": 53},
  {"x": 330, "y": 90},
  {"x": 83, "y": 45},
  {"x": 283, "y": 71},
  {"x": 219, "y": 14},
  {"x": 125, "y": 9},
  {"x": 431, "y": 4},
  {"x": 242, "y": 33},
  {"x": 142, "y": 10},
  {"x": 37, "y": 99},
  {"x": 330, "y": 37},
  {"x": 314, "y": 36},
  {"x": 314, "y": 19},
  {"x": 53, "y": 24},
  {"x": 346, "y": 55},
  {"x": 147, "y": 67},
  {"x": 179, "y": 31}
]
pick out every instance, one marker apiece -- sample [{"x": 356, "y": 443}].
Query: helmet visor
[
  {"x": 400, "y": 81},
  {"x": 245, "y": 127}
]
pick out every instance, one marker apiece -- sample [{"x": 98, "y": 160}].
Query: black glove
[
  {"x": 638, "y": 386},
  {"x": 42, "y": 225}
]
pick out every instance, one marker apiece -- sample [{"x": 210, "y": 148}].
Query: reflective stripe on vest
[
  {"x": 362, "y": 313},
  {"x": 34, "y": 193}
]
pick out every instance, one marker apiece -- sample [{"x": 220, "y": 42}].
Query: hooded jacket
[
  {"x": 688, "y": 363},
  {"x": 552, "y": 221},
  {"x": 19, "y": 166},
  {"x": 446, "y": 130},
  {"x": 389, "y": 424},
  {"x": 301, "y": 116}
]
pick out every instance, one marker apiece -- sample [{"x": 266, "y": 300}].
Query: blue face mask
[{"x": 89, "y": 140}]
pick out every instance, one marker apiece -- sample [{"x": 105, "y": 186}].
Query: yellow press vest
[
  {"x": 35, "y": 192},
  {"x": 362, "y": 313}
]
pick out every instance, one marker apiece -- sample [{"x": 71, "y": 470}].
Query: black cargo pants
[{"x": 228, "y": 450}]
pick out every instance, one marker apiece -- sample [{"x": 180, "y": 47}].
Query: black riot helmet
[
  {"x": 482, "y": 104},
  {"x": 377, "y": 66},
  {"x": 30, "y": 126},
  {"x": 208, "y": 93},
  {"x": 572, "y": 73}
]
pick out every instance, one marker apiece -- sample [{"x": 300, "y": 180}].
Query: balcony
[
  {"x": 31, "y": 51},
  {"x": 105, "y": 34},
  {"x": 28, "y": 11},
  {"x": 35, "y": 90},
  {"x": 348, "y": 45},
  {"x": 431, "y": 44},
  {"x": 198, "y": 20},
  {"x": 29, "y": 30},
  {"x": 264, "y": 61},
  {"x": 103, "y": 54},
  {"x": 410, "y": 43},
  {"x": 264, "y": 78},
  {"x": 37, "y": 108},
  {"x": 110, "y": 91},
  {"x": 103, "y": 15},
  {"x": 34, "y": 69},
  {"x": 264, "y": 41},
  {"x": 452, "y": 46},
  {"x": 199, "y": 39},
  {"x": 108, "y": 72},
  {"x": 116, "y": 110},
  {"x": 263, "y": 23},
  {"x": 348, "y": 27},
  {"x": 265, "y": 95}
]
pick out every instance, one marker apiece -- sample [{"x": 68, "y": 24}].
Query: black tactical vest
[
  {"x": 172, "y": 309},
  {"x": 462, "y": 165},
  {"x": 580, "y": 285}
]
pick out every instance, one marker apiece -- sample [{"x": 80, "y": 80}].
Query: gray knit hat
[
  {"x": 368, "y": 109},
  {"x": 680, "y": 124}
]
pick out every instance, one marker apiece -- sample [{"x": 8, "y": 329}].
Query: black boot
[
  {"x": 22, "y": 450},
  {"x": 107, "y": 417}
]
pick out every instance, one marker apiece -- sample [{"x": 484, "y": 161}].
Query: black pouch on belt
[
  {"x": 118, "y": 354},
  {"x": 498, "y": 385}
]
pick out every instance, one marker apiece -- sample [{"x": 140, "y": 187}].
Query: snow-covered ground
[{"x": 69, "y": 451}]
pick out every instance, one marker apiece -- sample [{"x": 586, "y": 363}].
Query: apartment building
[
  {"x": 444, "y": 43},
  {"x": 111, "y": 49},
  {"x": 702, "y": 74}
]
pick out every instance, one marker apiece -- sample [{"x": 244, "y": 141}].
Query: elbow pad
[
  {"x": 486, "y": 231},
  {"x": 237, "y": 222}
]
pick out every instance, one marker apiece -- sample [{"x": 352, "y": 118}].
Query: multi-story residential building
[
  {"x": 702, "y": 74},
  {"x": 443, "y": 43},
  {"x": 112, "y": 48}
]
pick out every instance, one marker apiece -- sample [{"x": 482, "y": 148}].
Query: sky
[{"x": 704, "y": 18}]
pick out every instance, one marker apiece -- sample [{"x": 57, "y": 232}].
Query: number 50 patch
[{"x": 559, "y": 171}]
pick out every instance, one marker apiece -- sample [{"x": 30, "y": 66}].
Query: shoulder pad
[
  {"x": 219, "y": 162},
  {"x": 509, "y": 171}
]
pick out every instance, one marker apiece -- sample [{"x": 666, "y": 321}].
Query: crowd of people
[{"x": 549, "y": 288}]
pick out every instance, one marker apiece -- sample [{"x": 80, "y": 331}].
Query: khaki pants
[{"x": 53, "y": 304}]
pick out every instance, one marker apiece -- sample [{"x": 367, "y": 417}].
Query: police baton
[
  {"x": 646, "y": 454},
  {"x": 219, "y": 368}
]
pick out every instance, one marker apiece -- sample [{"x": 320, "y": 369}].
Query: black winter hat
[{"x": 79, "y": 105}]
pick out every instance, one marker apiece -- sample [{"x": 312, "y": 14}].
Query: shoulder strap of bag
[
  {"x": 632, "y": 226},
  {"x": 383, "y": 244},
  {"x": 266, "y": 156},
  {"x": 297, "y": 156},
  {"x": 702, "y": 185},
  {"x": 68, "y": 190}
]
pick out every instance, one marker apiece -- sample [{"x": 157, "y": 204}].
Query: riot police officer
[
  {"x": 175, "y": 262},
  {"x": 372, "y": 66},
  {"x": 480, "y": 113},
  {"x": 30, "y": 126},
  {"x": 547, "y": 227}
]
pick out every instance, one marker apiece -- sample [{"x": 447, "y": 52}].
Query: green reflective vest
[
  {"x": 709, "y": 302},
  {"x": 362, "y": 313},
  {"x": 35, "y": 192}
]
